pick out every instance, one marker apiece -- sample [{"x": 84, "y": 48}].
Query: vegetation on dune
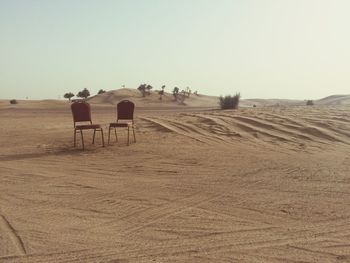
[
  {"x": 309, "y": 103},
  {"x": 187, "y": 92},
  {"x": 145, "y": 89},
  {"x": 68, "y": 95},
  {"x": 181, "y": 96},
  {"x": 13, "y": 101},
  {"x": 175, "y": 92},
  {"x": 229, "y": 102},
  {"x": 85, "y": 93},
  {"x": 161, "y": 92}
]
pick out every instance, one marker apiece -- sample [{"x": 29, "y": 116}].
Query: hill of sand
[
  {"x": 114, "y": 96},
  {"x": 335, "y": 100},
  {"x": 265, "y": 184},
  {"x": 152, "y": 100}
]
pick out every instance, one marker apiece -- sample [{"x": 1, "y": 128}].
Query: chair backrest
[
  {"x": 81, "y": 112},
  {"x": 125, "y": 110}
]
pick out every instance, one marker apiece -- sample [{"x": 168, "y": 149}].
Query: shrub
[
  {"x": 101, "y": 91},
  {"x": 13, "y": 101},
  {"x": 229, "y": 102},
  {"x": 309, "y": 103},
  {"x": 84, "y": 93}
]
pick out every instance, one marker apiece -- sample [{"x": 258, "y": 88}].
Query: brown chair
[
  {"x": 125, "y": 119},
  {"x": 82, "y": 113}
]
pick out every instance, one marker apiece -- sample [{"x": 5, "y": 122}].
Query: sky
[{"x": 290, "y": 49}]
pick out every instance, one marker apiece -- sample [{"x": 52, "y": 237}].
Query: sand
[{"x": 265, "y": 184}]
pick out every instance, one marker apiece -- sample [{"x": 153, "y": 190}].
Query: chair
[
  {"x": 82, "y": 113},
  {"x": 125, "y": 119}
]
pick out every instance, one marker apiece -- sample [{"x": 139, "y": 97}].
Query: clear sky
[{"x": 261, "y": 48}]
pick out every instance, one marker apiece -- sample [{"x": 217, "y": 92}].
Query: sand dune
[
  {"x": 114, "y": 96},
  {"x": 265, "y": 184},
  {"x": 111, "y": 98},
  {"x": 335, "y": 100}
]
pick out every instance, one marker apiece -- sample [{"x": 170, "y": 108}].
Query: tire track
[
  {"x": 7, "y": 229},
  {"x": 150, "y": 216},
  {"x": 168, "y": 248},
  {"x": 264, "y": 127},
  {"x": 168, "y": 127}
]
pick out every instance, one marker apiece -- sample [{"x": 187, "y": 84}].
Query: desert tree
[
  {"x": 142, "y": 89},
  {"x": 68, "y": 95},
  {"x": 148, "y": 89},
  {"x": 175, "y": 92},
  {"x": 13, "y": 101},
  {"x": 188, "y": 91},
  {"x": 161, "y": 92},
  {"x": 145, "y": 89},
  {"x": 229, "y": 102},
  {"x": 84, "y": 93},
  {"x": 181, "y": 96}
]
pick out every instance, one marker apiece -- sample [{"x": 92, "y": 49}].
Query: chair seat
[
  {"x": 120, "y": 124},
  {"x": 88, "y": 126}
]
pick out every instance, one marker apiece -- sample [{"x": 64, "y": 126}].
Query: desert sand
[{"x": 264, "y": 184}]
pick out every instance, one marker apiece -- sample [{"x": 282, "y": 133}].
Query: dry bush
[
  {"x": 229, "y": 102},
  {"x": 309, "y": 103}
]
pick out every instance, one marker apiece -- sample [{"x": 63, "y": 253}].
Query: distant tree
[
  {"x": 229, "y": 102},
  {"x": 84, "y": 93},
  {"x": 175, "y": 92},
  {"x": 101, "y": 91},
  {"x": 13, "y": 101},
  {"x": 148, "y": 89},
  {"x": 181, "y": 96},
  {"x": 68, "y": 95},
  {"x": 142, "y": 89},
  {"x": 145, "y": 89},
  {"x": 161, "y": 92},
  {"x": 309, "y": 103},
  {"x": 188, "y": 92}
]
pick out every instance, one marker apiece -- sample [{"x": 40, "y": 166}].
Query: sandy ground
[{"x": 267, "y": 184}]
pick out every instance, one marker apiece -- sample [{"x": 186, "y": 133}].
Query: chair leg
[
  {"x": 75, "y": 137},
  {"x": 103, "y": 139},
  {"x": 133, "y": 130},
  {"x": 116, "y": 136},
  {"x": 82, "y": 138},
  {"x": 128, "y": 135},
  {"x": 109, "y": 134},
  {"x": 93, "y": 138}
]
